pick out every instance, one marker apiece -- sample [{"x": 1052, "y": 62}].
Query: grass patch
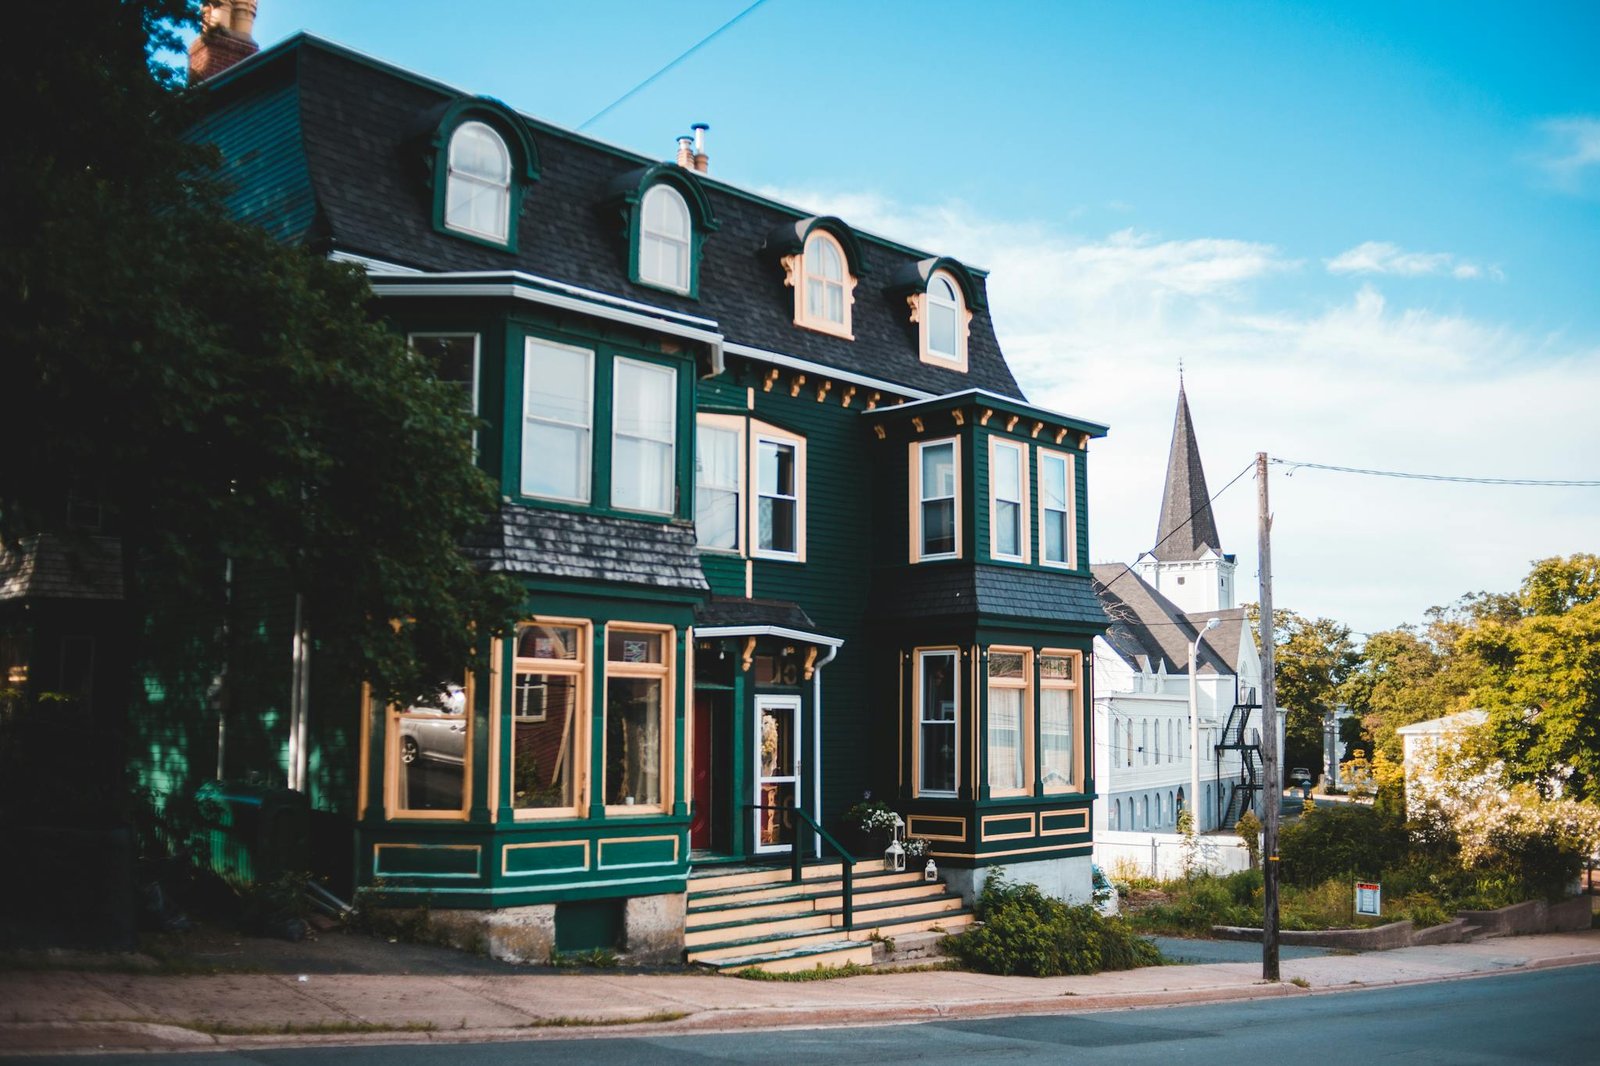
[
  {"x": 338, "y": 1028},
  {"x": 573, "y": 1022},
  {"x": 1299, "y": 982},
  {"x": 818, "y": 973}
]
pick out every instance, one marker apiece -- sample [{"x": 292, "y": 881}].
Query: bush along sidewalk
[{"x": 1026, "y": 933}]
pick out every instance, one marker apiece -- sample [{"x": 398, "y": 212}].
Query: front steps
[{"x": 761, "y": 919}]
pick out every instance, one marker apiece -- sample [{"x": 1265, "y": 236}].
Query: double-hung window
[
  {"x": 779, "y": 501},
  {"x": 664, "y": 234},
  {"x": 943, "y": 316},
  {"x": 454, "y": 357},
  {"x": 430, "y": 739},
  {"x": 558, "y": 416},
  {"x": 1008, "y": 506},
  {"x": 1010, "y": 729},
  {"x": 936, "y": 516},
  {"x": 718, "y": 484},
  {"x": 644, "y": 437},
  {"x": 1058, "y": 715},
  {"x": 549, "y": 716},
  {"x": 638, "y": 717},
  {"x": 1058, "y": 537},
  {"x": 938, "y": 715},
  {"x": 478, "y": 183}
]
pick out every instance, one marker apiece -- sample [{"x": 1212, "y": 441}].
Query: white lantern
[
  {"x": 894, "y": 857},
  {"x": 930, "y": 872}
]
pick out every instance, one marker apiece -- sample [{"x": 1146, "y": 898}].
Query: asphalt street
[{"x": 1533, "y": 1017}]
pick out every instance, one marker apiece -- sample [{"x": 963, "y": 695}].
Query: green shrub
[
  {"x": 1196, "y": 904},
  {"x": 1422, "y": 908},
  {"x": 1340, "y": 840},
  {"x": 1025, "y": 932}
]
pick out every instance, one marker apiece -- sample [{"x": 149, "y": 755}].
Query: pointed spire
[{"x": 1180, "y": 536}]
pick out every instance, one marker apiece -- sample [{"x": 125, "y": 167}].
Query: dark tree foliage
[{"x": 225, "y": 397}]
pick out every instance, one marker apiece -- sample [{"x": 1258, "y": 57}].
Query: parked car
[
  {"x": 435, "y": 728},
  {"x": 1300, "y": 777}
]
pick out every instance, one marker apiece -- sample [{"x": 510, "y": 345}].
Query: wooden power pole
[{"x": 1271, "y": 789}]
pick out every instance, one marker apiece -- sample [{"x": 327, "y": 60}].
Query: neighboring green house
[{"x": 788, "y": 528}]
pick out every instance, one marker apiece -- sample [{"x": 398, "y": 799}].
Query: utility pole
[{"x": 1272, "y": 789}]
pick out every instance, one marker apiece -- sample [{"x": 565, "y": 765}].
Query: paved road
[
  {"x": 1190, "y": 952},
  {"x": 1538, "y": 1017}
]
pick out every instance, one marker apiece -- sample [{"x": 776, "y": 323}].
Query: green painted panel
[
  {"x": 1073, "y": 822},
  {"x": 995, "y": 826},
  {"x": 427, "y": 860},
  {"x": 617, "y": 853},
  {"x": 546, "y": 857},
  {"x": 584, "y": 925}
]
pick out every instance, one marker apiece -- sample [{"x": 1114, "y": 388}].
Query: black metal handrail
[{"x": 797, "y": 864}]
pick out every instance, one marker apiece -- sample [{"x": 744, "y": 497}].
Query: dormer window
[
  {"x": 664, "y": 239},
  {"x": 478, "y": 183},
  {"x": 823, "y": 285},
  {"x": 942, "y": 315}
]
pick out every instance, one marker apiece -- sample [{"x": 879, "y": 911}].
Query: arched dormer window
[
  {"x": 942, "y": 295},
  {"x": 944, "y": 326},
  {"x": 827, "y": 300},
  {"x": 481, "y": 160},
  {"x": 821, "y": 262},
  {"x": 477, "y": 198},
  {"x": 665, "y": 232}
]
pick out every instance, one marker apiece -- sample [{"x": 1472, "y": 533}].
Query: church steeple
[{"x": 1187, "y": 526}]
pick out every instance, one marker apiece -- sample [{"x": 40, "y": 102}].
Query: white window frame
[
  {"x": 918, "y": 499},
  {"x": 1070, "y": 535},
  {"x": 923, "y": 304},
  {"x": 503, "y": 187},
  {"x": 790, "y": 705},
  {"x": 684, "y": 245},
  {"x": 800, "y": 271},
  {"x": 671, "y": 374},
  {"x": 997, "y": 446},
  {"x": 588, "y": 426},
  {"x": 737, "y": 426},
  {"x": 760, "y": 434},
  {"x": 918, "y": 657},
  {"x": 1025, "y": 723}
]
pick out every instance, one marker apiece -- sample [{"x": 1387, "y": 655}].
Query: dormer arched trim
[
  {"x": 790, "y": 239},
  {"x": 629, "y": 195},
  {"x": 913, "y": 278},
  {"x": 439, "y": 131}
]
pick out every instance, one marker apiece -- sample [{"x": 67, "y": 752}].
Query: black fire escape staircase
[{"x": 1238, "y": 736}]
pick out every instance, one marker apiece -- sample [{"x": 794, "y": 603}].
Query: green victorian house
[{"x": 789, "y": 531}]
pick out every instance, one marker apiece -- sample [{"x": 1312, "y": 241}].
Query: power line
[
  {"x": 701, "y": 43},
  {"x": 1534, "y": 482}
]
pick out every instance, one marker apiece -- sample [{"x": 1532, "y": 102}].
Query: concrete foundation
[
  {"x": 653, "y": 928},
  {"x": 1068, "y": 879},
  {"x": 513, "y": 934}
]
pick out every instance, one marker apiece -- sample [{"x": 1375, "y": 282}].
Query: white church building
[{"x": 1176, "y": 597}]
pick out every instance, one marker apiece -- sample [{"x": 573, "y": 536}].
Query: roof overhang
[{"x": 781, "y": 632}]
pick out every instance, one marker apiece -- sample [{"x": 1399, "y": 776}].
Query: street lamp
[{"x": 1194, "y": 724}]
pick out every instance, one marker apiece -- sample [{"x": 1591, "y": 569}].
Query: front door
[{"x": 777, "y": 762}]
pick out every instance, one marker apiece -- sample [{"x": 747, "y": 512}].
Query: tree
[
  {"x": 1314, "y": 658},
  {"x": 224, "y": 397}
]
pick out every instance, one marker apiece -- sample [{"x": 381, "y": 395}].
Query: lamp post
[{"x": 1194, "y": 724}]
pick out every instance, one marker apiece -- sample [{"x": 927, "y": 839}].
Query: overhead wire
[
  {"x": 646, "y": 83},
  {"x": 1464, "y": 480}
]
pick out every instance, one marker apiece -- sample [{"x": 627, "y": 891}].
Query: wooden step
[
  {"x": 810, "y": 886},
  {"x": 710, "y": 934},
  {"x": 742, "y": 938},
  {"x": 806, "y": 957},
  {"x": 710, "y": 879}
]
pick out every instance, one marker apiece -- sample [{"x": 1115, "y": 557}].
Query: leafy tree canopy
[{"x": 224, "y": 397}]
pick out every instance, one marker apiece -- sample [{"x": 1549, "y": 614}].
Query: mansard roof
[
  {"x": 1144, "y": 622},
  {"x": 1187, "y": 526},
  {"x": 321, "y": 146}
]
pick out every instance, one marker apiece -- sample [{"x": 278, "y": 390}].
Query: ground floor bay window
[
  {"x": 1010, "y": 732},
  {"x": 549, "y": 701},
  {"x": 1060, "y": 768},
  {"x": 430, "y": 741},
  {"x": 638, "y": 715},
  {"x": 938, "y": 714}
]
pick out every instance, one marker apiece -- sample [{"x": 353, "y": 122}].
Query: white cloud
[
  {"x": 1573, "y": 150},
  {"x": 1381, "y": 257},
  {"x": 1096, "y": 327}
]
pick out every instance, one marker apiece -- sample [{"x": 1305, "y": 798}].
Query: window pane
[
  {"x": 1054, "y": 481},
  {"x": 1055, "y": 536},
  {"x": 472, "y": 205},
  {"x": 555, "y": 461},
  {"x": 939, "y": 527},
  {"x": 940, "y": 289},
  {"x": 1005, "y": 736},
  {"x": 716, "y": 500},
  {"x": 478, "y": 151},
  {"x": 1008, "y": 529},
  {"x": 776, "y": 473},
  {"x": 644, "y": 402},
  {"x": 544, "y": 711},
  {"x": 942, "y": 329},
  {"x": 633, "y": 740},
  {"x": 822, "y": 259},
  {"x": 548, "y": 642},
  {"x": 558, "y": 383},
  {"x": 627, "y": 646},
  {"x": 641, "y": 475},
  {"x": 432, "y": 751},
  {"x": 665, "y": 213},
  {"x": 835, "y": 307},
  {"x": 1055, "y": 736},
  {"x": 1056, "y": 666},
  {"x": 716, "y": 518},
  {"x": 938, "y": 471},
  {"x": 777, "y": 525},
  {"x": 454, "y": 360},
  {"x": 938, "y": 726},
  {"x": 1006, "y": 664}
]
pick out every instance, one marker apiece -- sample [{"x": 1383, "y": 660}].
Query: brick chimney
[
  {"x": 686, "y": 152},
  {"x": 224, "y": 39}
]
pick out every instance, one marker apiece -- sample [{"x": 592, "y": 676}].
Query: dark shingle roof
[
  {"x": 568, "y": 544},
  {"x": 736, "y": 611},
  {"x": 51, "y": 567},
  {"x": 1144, "y": 622},
  {"x": 995, "y": 592},
  {"x": 358, "y": 123},
  {"x": 1187, "y": 526}
]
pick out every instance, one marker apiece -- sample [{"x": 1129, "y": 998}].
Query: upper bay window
[
  {"x": 936, "y": 512},
  {"x": 750, "y": 498},
  {"x": 478, "y": 183},
  {"x": 1058, "y": 537},
  {"x": 718, "y": 482},
  {"x": 778, "y": 521},
  {"x": 644, "y": 437},
  {"x": 558, "y": 420},
  {"x": 1008, "y": 500},
  {"x": 665, "y": 230}
]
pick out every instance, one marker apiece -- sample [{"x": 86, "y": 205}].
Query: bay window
[
  {"x": 1008, "y": 508},
  {"x": 1058, "y": 713},
  {"x": 549, "y": 714},
  {"x": 718, "y": 483},
  {"x": 638, "y": 718},
  {"x": 1010, "y": 720},
  {"x": 936, "y": 512},
  {"x": 644, "y": 437},
  {"x": 429, "y": 764},
  {"x": 1057, "y": 527},
  {"x": 938, "y": 712},
  {"x": 558, "y": 418}
]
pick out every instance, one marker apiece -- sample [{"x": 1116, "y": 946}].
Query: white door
[{"x": 777, "y": 776}]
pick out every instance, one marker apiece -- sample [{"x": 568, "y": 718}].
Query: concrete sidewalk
[{"x": 47, "y": 1011}]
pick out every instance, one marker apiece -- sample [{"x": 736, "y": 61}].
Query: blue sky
[{"x": 1370, "y": 231}]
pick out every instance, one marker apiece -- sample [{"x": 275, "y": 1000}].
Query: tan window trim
[
  {"x": 919, "y": 303},
  {"x": 1078, "y": 722},
  {"x": 392, "y": 811},
  {"x": 582, "y": 716},
  {"x": 796, "y": 272},
  {"x": 665, "y": 672},
  {"x": 1025, "y": 726}
]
